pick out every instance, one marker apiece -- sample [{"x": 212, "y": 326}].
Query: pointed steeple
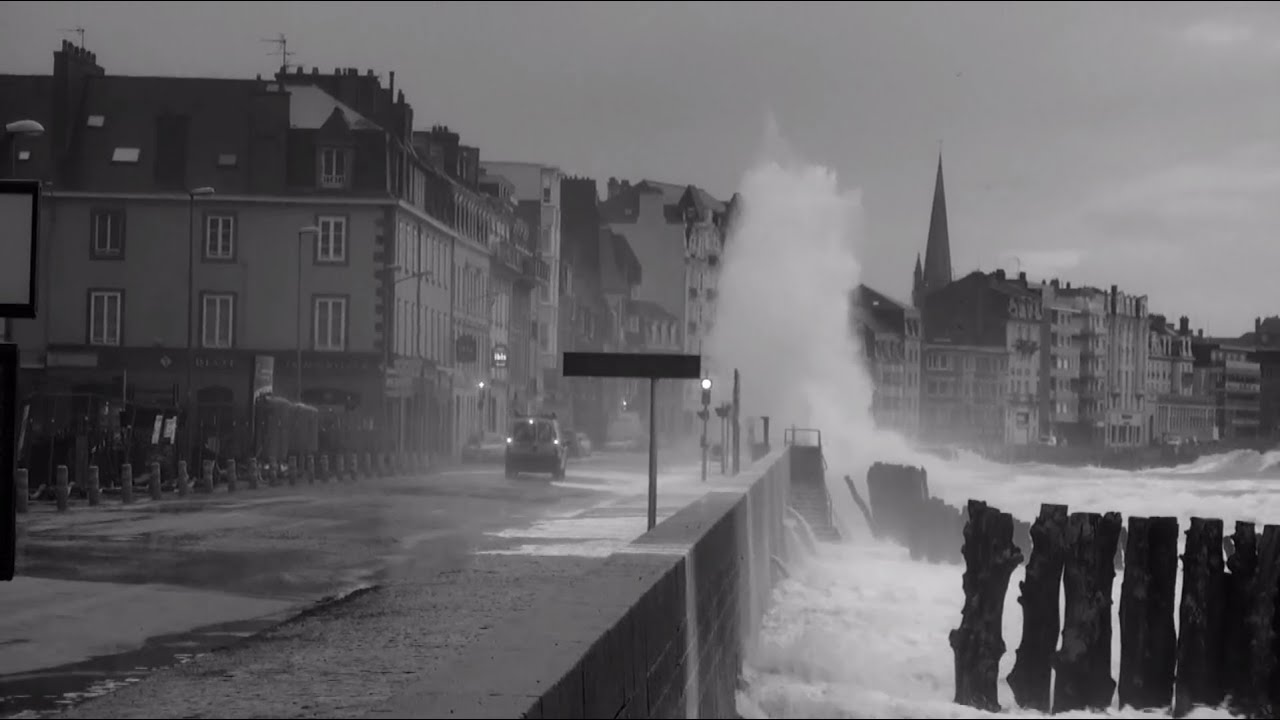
[{"x": 937, "y": 253}]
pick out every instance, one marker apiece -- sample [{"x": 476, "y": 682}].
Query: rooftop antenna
[
  {"x": 78, "y": 31},
  {"x": 282, "y": 49}
]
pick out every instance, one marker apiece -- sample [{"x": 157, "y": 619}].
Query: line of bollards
[{"x": 344, "y": 467}]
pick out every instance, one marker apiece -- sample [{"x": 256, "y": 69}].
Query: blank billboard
[{"x": 19, "y": 219}]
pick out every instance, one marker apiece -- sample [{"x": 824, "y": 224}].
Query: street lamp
[
  {"x": 13, "y": 130},
  {"x": 192, "y": 194},
  {"x": 705, "y": 414},
  {"x": 303, "y": 232}
]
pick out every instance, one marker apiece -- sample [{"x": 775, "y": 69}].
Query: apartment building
[{"x": 890, "y": 334}]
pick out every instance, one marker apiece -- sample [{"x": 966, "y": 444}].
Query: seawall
[{"x": 659, "y": 630}]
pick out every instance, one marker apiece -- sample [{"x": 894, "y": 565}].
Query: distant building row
[
  {"x": 329, "y": 252},
  {"x": 988, "y": 360}
]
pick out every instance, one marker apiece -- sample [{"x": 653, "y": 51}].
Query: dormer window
[
  {"x": 227, "y": 160},
  {"x": 126, "y": 155},
  {"x": 333, "y": 168},
  {"x": 96, "y": 121}
]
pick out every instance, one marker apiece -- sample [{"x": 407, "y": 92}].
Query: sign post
[
  {"x": 19, "y": 237},
  {"x": 649, "y": 366}
]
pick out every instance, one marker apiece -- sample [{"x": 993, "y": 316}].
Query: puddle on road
[{"x": 45, "y": 693}]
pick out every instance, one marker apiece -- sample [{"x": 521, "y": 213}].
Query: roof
[
  {"x": 652, "y": 311},
  {"x": 310, "y": 107},
  {"x": 129, "y": 108},
  {"x": 28, "y": 97}
]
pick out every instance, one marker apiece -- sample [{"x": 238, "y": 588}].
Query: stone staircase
[{"x": 809, "y": 494}]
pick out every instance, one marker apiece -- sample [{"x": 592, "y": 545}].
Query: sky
[{"x": 1135, "y": 144}]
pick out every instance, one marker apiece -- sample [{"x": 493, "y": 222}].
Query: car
[{"x": 536, "y": 444}]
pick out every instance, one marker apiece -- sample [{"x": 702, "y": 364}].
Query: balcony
[
  {"x": 508, "y": 254},
  {"x": 333, "y": 181}
]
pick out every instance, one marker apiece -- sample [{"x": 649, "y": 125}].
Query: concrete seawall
[{"x": 659, "y": 630}]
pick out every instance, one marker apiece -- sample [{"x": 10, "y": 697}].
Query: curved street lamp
[
  {"x": 192, "y": 194},
  {"x": 14, "y": 129}
]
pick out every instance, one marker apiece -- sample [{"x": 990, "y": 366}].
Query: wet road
[{"x": 107, "y": 595}]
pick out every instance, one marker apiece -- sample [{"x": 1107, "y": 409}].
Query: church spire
[{"x": 937, "y": 254}]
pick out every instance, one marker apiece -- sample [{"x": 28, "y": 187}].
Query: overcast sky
[{"x": 1136, "y": 144}]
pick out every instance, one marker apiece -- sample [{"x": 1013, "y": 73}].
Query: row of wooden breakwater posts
[
  {"x": 1224, "y": 650},
  {"x": 313, "y": 469}
]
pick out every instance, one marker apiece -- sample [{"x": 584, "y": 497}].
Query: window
[
  {"x": 96, "y": 121},
  {"x": 218, "y": 320},
  {"x": 24, "y": 155},
  {"x": 106, "y": 230},
  {"x": 219, "y": 237},
  {"x": 333, "y": 167},
  {"x": 126, "y": 155},
  {"x": 331, "y": 242},
  {"x": 105, "y": 316},
  {"x": 330, "y": 315},
  {"x": 546, "y": 189},
  {"x": 227, "y": 160}
]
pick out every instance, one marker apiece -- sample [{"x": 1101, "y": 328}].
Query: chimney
[
  {"x": 1068, "y": 284},
  {"x": 391, "y": 84},
  {"x": 612, "y": 188},
  {"x": 1257, "y": 324},
  {"x": 1200, "y": 333},
  {"x": 315, "y": 70},
  {"x": 1054, "y": 284},
  {"x": 1022, "y": 278},
  {"x": 369, "y": 72},
  {"x": 1000, "y": 274},
  {"x": 1184, "y": 325}
]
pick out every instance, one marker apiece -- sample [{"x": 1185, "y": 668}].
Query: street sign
[
  {"x": 499, "y": 356},
  {"x": 19, "y": 235},
  {"x": 650, "y": 366}
]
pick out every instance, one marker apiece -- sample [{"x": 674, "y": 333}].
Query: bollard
[
  {"x": 95, "y": 490},
  {"x": 206, "y": 476},
  {"x": 382, "y": 465},
  {"x": 21, "y": 489},
  {"x": 367, "y": 465},
  {"x": 60, "y": 486},
  {"x": 311, "y": 469},
  {"x": 324, "y": 468},
  {"x": 294, "y": 470},
  {"x": 183, "y": 482},
  {"x": 355, "y": 466},
  {"x": 153, "y": 483},
  {"x": 340, "y": 466},
  {"x": 231, "y": 476},
  {"x": 253, "y": 473},
  {"x": 126, "y": 483}
]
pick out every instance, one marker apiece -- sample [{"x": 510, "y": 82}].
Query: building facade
[
  {"x": 1266, "y": 342},
  {"x": 1129, "y": 336},
  {"x": 963, "y": 401},
  {"x": 1227, "y": 370},
  {"x": 537, "y": 191},
  {"x": 890, "y": 335},
  {"x": 1175, "y": 413},
  {"x": 1003, "y": 317},
  {"x": 1059, "y": 364}
]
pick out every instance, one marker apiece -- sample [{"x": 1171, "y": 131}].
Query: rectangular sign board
[
  {"x": 633, "y": 365},
  {"x": 19, "y": 233}
]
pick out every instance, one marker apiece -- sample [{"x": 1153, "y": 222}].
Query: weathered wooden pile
[{"x": 1223, "y": 652}]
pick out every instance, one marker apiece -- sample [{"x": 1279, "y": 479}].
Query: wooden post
[
  {"x": 341, "y": 466},
  {"x": 1148, "y": 639},
  {"x": 354, "y": 460},
  {"x": 61, "y": 488},
  {"x": 1083, "y": 665},
  {"x": 295, "y": 472},
  {"x": 1200, "y": 619},
  {"x": 369, "y": 471},
  {"x": 153, "y": 482},
  {"x": 311, "y": 469},
  {"x": 1032, "y": 677},
  {"x": 1238, "y": 592},
  {"x": 231, "y": 476},
  {"x": 126, "y": 483},
  {"x": 1262, "y": 696},
  {"x": 183, "y": 481},
  {"x": 324, "y": 468},
  {"x": 21, "y": 489},
  {"x": 990, "y": 558},
  {"x": 95, "y": 486},
  {"x": 862, "y": 505},
  {"x": 255, "y": 473}
]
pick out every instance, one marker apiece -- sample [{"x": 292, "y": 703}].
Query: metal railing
[{"x": 803, "y": 437}]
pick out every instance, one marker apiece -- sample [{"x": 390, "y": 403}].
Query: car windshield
[
  {"x": 524, "y": 432},
  {"x": 546, "y": 432}
]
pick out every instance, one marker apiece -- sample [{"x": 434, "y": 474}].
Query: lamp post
[
  {"x": 303, "y": 232},
  {"x": 391, "y": 271},
  {"x": 192, "y": 194},
  {"x": 705, "y": 414},
  {"x": 480, "y": 408}
]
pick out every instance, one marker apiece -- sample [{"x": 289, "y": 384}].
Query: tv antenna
[
  {"x": 78, "y": 31},
  {"x": 282, "y": 50}
]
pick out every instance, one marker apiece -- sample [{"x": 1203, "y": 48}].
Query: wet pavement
[{"x": 111, "y": 595}]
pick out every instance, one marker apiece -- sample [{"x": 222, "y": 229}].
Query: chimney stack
[
  {"x": 1200, "y": 333},
  {"x": 1022, "y": 278},
  {"x": 1000, "y": 274},
  {"x": 1184, "y": 325},
  {"x": 1257, "y": 324}
]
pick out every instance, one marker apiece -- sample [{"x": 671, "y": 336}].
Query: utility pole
[
  {"x": 736, "y": 427},
  {"x": 722, "y": 412},
  {"x": 705, "y": 414}
]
